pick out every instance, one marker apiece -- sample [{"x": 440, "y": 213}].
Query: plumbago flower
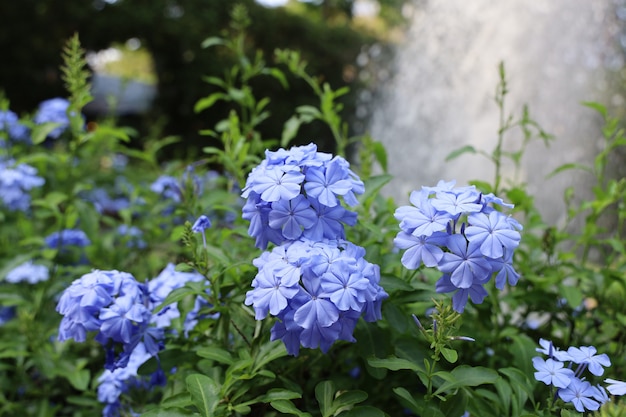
[
  {"x": 459, "y": 231},
  {"x": 297, "y": 193},
  {"x": 315, "y": 282},
  {"x": 318, "y": 290},
  {"x": 122, "y": 313},
  {"x": 16, "y": 181},
  {"x": 572, "y": 386}
]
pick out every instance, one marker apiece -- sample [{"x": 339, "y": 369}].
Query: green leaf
[
  {"x": 458, "y": 152},
  {"x": 572, "y": 294},
  {"x": 468, "y": 376},
  {"x": 169, "y": 412},
  {"x": 381, "y": 154},
  {"x": 204, "y": 393},
  {"x": 205, "y": 103},
  {"x": 409, "y": 401},
  {"x": 182, "y": 399},
  {"x": 287, "y": 407},
  {"x": 212, "y": 41},
  {"x": 363, "y": 411},
  {"x": 216, "y": 354},
  {"x": 41, "y": 131},
  {"x": 79, "y": 379},
  {"x": 451, "y": 355},
  {"x": 347, "y": 399},
  {"x": 374, "y": 184},
  {"x": 393, "y": 364},
  {"x": 390, "y": 283},
  {"x": 324, "y": 392},
  {"x": 290, "y": 129},
  {"x": 597, "y": 107},
  {"x": 566, "y": 167}
]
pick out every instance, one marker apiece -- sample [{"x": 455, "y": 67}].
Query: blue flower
[
  {"x": 580, "y": 394},
  {"x": 9, "y": 122},
  {"x": 122, "y": 319},
  {"x": 53, "y": 111},
  {"x": 67, "y": 237},
  {"x": 465, "y": 263},
  {"x": 292, "y": 216},
  {"x": 615, "y": 387},
  {"x": 16, "y": 180},
  {"x": 200, "y": 225},
  {"x": 274, "y": 183},
  {"x": 168, "y": 187},
  {"x": 28, "y": 272},
  {"x": 476, "y": 292},
  {"x": 493, "y": 233},
  {"x": 296, "y": 192},
  {"x": 587, "y": 355},
  {"x": 552, "y": 372},
  {"x": 424, "y": 249},
  {"x": 318, "y": 290},
  {"x": 458, "y": 232},
  {"x": 160, "y": 287},
  {"x": 133, "y": 236},
  {"x": 326, "y": 183},
  {"x": 422, "y": 219}
]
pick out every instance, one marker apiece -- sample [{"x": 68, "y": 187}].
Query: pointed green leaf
[
  {"x": 363, "y": 411},
  {"x": 374, "y": 184},
  {"x": 324, "y": 392},
  {"x": 216, "y": 354},
  {"x": 458, "y": 152},
  {"x": 393, "y": 364},
  {"x": 41, "y": 131},
  {"x": 205, "y": 103},
  {"x": 204, "y": 393},
  {"x": 212, "y": 41},
  {"x": 469, "y": 376},
  {"x": 287, "y": 407},
  {"x": 451, "y": 355}
]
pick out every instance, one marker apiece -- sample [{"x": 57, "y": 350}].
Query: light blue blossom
[
  {"x": 200, "y": 225},
  {"x": 28, "y": 272},
  {"x": 53, "y": 111},
  {"x": 465, "y": 262},
  {"x": 67, "y": 237},
  {"x": 581, "y": 394},
  {"x": 9, "y": 123},
  {"x": 587, "y": 355},
  {"x": 456, "y": 230},
  {"x": 298, "y": 192},
  {"x": 292, "y": 216},
  {"x": 16, "y": 181},
  {"x": 552, "y": 372},
  {"x": 615, "y": 387},
  {"x": 318, "y": 290}
]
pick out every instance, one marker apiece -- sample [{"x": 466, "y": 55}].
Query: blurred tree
[{"x": 32, "y": 33}]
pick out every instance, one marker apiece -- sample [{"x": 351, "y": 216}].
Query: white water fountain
[{"x": 557, "y": 54}]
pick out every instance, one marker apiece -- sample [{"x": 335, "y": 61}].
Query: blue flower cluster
[
  {"x": 315, "y": 282},
  {"x": 572, "y": 386},
  {"x": 28, "y": 272},
  {"x": 294, "y": 193},
  {"x": 67, "y": 237},
  {"x": 10, "y": 123},
  {"x": 457, "y": 230},
  {"x": 120, "y": 310},
  {"x": 16, "y": 181},
  {"x": 318, "y": 290},
  {"x": 53, "y": 110}
]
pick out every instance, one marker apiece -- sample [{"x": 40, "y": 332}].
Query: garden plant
[{"x": 271, "y": 278}]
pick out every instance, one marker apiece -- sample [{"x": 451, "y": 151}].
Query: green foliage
[{"x": 478, "y": 362}]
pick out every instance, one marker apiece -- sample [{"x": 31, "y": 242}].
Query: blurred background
[
  {"x": 148, "y": 54},
  {"x": 422, "y": 74}
]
